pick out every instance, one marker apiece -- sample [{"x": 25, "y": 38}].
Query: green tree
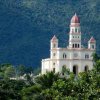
[
  {"x": 95, "y": 57},
  {"x": 10, "y": 72},
  {"x": 32, "y": 92},
  {"x": 20, "y": 70},
  {"x": 29, "y": 79},
  {"x": 1, "y": 75},
  {"x": 47, "y": 79},
  {"x": 10, "y": 89},
  {"x": 65, "y": 71}
]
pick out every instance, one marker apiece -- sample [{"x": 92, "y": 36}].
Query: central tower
[{"x": 75, "y": 33}]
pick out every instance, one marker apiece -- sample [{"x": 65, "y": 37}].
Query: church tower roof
[
  {"x": 75, "y": 19},
  {"x": 54, "y": 39},
  {"x": 92, "y": 40}
]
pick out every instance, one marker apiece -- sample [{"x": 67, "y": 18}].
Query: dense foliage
[
  {"x": 10, "y": 71},
  {"x": 53, "y": 86},
  {"x": 26, "y": 27}
]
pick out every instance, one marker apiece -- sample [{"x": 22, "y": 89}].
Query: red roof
[
  {"x": 54, "y": 38},
  {"x": 75, "y": 19},
  {"x": 92, "y": 39}
]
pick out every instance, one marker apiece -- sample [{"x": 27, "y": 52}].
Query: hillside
[{"x": 26, "y": 27}]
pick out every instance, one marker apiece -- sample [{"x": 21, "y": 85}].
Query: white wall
[{"x": 70, "y": 61}]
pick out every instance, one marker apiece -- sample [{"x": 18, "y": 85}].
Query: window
[
  {"x": 64, "y": 56},
  {"x": 72, "y": 30},
  {"x": 86, "y": 68},
  {"x": 75, "y": 70},
  {"x": 92, "y": 46},
  {"x": 75, "y": 29},
  {"x": 54, "y": 45},
  {"x": 75, "y": 45},
  {"x": 86, "y": 56},
  {"x": 54, "y": 70}
]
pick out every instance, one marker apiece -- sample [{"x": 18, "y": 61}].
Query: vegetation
[
  {"x": 10, "y": 71},
  {"x": 51, "y": 86}
]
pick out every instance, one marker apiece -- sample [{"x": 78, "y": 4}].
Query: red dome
[{"x": 75, "y": 19}]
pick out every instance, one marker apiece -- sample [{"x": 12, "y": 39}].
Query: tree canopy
[{"x": 51, "y": 86}]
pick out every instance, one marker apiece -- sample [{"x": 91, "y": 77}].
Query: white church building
[{"x": 75, "y": 56}]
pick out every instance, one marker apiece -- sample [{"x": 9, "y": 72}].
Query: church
[{"x": 75, "y": 56}]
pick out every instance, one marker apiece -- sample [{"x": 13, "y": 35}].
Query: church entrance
[{"x": 75, "y": 69}]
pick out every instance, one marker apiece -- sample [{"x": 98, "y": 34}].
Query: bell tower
[
  {"x": 54, "y": 42},
  {"x": 75, "y": 33},
  {"x": 92, "y": 44},
  {"x": 54, "y": 46}
]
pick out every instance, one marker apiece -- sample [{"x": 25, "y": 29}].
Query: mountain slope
[{"x": 26, "y": 27}]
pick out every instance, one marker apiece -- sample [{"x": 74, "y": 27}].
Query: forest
[
  {"x": 50, "y": 86},
  {"x": 26, "y": 27}
]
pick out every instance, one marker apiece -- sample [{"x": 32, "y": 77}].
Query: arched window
[
  {"x": 64, "y": 56},
  {"x": 75, "y": 45},
  {"x": 75, "y": 69},
  {"x": 72, "y": 30},
  {"x": 86, "y": 68},
  {"x": 92, "y": 46},
  {"x": 54, "y": 70},
  {"x": 75, "y": 29}
]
